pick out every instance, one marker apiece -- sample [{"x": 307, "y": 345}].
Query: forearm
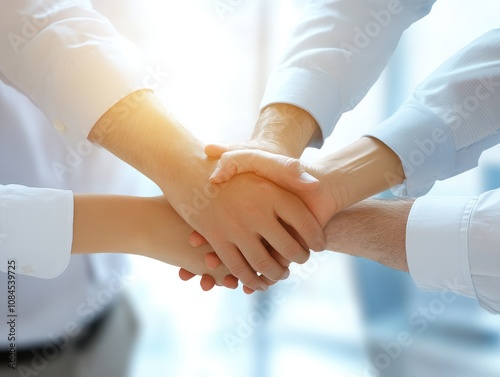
[
  {"x": 142, "y": 133},
  {"x": 230, "y": 216},
  {"x": 141, "y": 226},
  {"x": 287, "y": 127},
  {"x": 357, "y": 172},
  {"x": 373, "y": 229},
  {"x": 110, "y": 224}
]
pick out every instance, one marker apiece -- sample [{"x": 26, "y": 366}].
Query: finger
[
  {"x": 279, "y": 258},
  {"x": 185, "y": 274},
  {"x": 238, "y": 266},
  {"x": 284, "y": 262},
  {"x": 212, "y": 261},
  {"x": 216, "y": 150},
  {"x": 288, "y": 173},
  {"x": 248, "y": 290},
  {"x": 196, "y": 239},
  {"x": 294, "y": 234},
  {"x": 285, "y": 244},
  {"x": 230, "y": 282},
  {"x": 295, "y": 213},
  {"x": 258, "y": 257},
  {"x": 207, "y": 282}
]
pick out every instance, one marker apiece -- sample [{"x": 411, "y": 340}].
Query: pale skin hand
[
  {"x": 328, "y": 186},
  {"x": 234, "y": 217},
  {"x": 141, "y": 226},
  {"x": 334, "y": 183},
  {"x": 281, "y": 129},
  {"x": 346, "y": 177}
]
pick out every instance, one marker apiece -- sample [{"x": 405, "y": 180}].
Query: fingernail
[
  {"x": 214, "y": 174},
  {"x": 308, "y": 178},
  {"x": 286, "y": 275}
]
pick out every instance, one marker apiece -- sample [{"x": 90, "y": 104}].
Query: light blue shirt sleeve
[
  {"x": 336, "y": 54},
  {"x": 69, "y": 61},
  {"x": 450, "y": 119},
  {"x": 452, "y": 244},
  {"x": 36, "y": 230}
]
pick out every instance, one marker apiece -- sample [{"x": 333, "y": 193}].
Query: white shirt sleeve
[
  {"x": 452, "y": 243},
  {"x": 36, "y": 230},
  {"x": 337, "y": 52},
  {"x": 450, "y": 119},
  {"x": 69, "y": 60}
]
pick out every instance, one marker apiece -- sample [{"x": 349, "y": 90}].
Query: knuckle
[
  {"x": 240, "y": 270},
  {"x": 292, "y": 164},
  {"x": 309, "y": 229},
  {"x": 267, "y": 268},
  {"x": 229, "y": 164},
  {"x": 293, "y": 252},
  {"x": 227, "y": 159}
]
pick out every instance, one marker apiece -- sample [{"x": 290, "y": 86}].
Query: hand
[
  {"x": 356, "y": 172},
  {"x": 251, "y": 203},
  {"x": 244, "y": 211},
  {"x": 164, "y": 240},
  {"x": 281, "y": 129},
  {"x": 289, "y": 173},
  {"x": 142, "y": 226},
  {"x": 213, "y": 262}
]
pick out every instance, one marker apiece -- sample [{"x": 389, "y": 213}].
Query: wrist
[
  {"x": 374, "y": 229},
  {"x": 361, "y": 170},
  {"x": 289, "y": 128},
  {"x": 154, "y": 225}
]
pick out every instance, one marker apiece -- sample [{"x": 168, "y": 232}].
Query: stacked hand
[
  {"x": 259, "y": 210},
  {"x": 326, "y": 187},
  {"x": 289, "y": 173}
]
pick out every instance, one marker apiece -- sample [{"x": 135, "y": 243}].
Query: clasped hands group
[{"x": 253, "y": 206}]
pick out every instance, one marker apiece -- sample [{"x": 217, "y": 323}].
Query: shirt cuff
[
  {"x": 484, "y": 251},
  {"x": 437, "y": 244},
  {"x": 36, "y": 230},
  {"x": 423, "y": 144},
  {"x": 312, "y": 91}
]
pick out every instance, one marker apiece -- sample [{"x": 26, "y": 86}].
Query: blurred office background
[{"x": 336, "y": 315}]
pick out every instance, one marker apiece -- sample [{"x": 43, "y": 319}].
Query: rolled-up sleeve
[
  {"x": 36, "y": 230},
  {"x": 69, "y": 60},
  {"x": 452, "y": 244}
]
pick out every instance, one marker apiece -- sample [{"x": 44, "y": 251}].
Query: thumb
[
  {"x": 288, "y": 173},
  {"x": 216, "y": 150}
]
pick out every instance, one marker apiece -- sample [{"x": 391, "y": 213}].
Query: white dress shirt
[
  {"x": 63, "y": 66},
  {"x": 73, "y": 65},
  {"x": 337, "y": 53}
]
